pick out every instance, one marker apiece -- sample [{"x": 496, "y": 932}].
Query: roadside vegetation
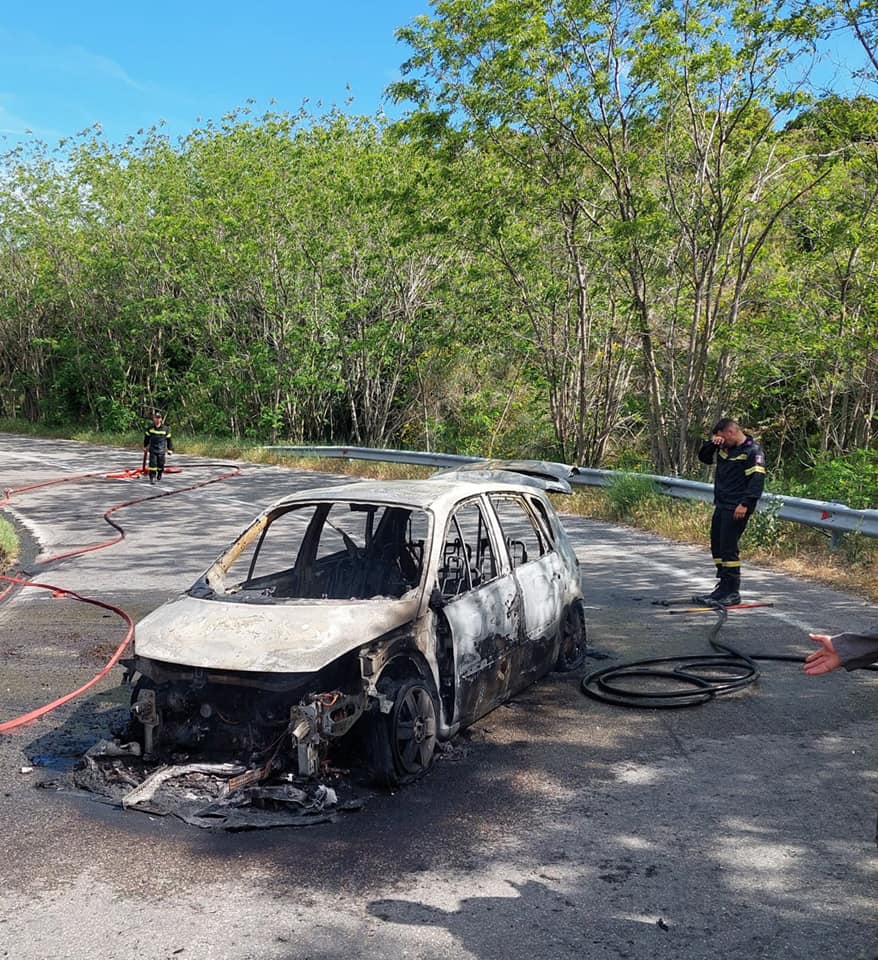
[
  {"x": 590, "y": 231},
  {"x": 634, "y": 500},
  {"x": 9, "y": 545}
]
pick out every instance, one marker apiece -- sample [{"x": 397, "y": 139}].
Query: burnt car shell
[{"x": 399, "y": 610}]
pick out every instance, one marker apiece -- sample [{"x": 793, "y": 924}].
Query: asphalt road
[{"x": 564, "y": 828}]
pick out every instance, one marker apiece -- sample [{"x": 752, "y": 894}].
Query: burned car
[{"x": 389, "y": 614}]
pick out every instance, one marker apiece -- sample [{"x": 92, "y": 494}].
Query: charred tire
[
  {"x": 574, "y": 640},
  {"x": 402, "y": 743}
]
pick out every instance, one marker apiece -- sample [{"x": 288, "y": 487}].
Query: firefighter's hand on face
[{"x": 718, "y": 440}]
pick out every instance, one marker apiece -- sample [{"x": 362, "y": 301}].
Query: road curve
[{"x": 564, "y": 828}]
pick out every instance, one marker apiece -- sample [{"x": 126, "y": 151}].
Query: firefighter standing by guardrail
[{"x": 737, "y": 486}]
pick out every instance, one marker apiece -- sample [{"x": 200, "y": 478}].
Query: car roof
[{"x": 426, "y": 494}]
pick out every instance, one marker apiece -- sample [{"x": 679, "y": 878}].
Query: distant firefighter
[{"x": 157, "y": 444}]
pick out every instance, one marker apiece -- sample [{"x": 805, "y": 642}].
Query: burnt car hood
[{"x": 297, "y": 636}]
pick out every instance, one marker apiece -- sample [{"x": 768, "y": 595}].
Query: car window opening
[
  {"x": 526, "y": 539},
  {"x": 468, "y": 559},
  {"x": 323, "y": 551}
]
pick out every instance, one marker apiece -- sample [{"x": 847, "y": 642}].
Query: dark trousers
[
  {"x": 725, "y": 532},
  {"x": 156, "y": 465}
]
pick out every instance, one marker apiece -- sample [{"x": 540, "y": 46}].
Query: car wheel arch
[
  {"x": 406, "y": 665},
  {"x": 401, "y": 739},
  {"x": 572, "y": 638}
]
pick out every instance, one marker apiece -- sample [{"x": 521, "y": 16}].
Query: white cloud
[
  {"x": 84, "y": 61},
  {"x": 29, "y": 52}
]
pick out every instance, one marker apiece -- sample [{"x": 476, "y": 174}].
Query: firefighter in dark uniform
[
  {"x": 737, "y": 486},
  {"x": 157, "y": 443}
]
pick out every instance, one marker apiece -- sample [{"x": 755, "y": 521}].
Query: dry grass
[
  {"x": 861, "y": 579},
  {"x": 806, "y": 552},
  {"x": 777, "y": 544},
  {"x": 795, "y": 549}
]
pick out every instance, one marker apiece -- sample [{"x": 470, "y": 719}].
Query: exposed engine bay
[{"x": 273, "y": 720}]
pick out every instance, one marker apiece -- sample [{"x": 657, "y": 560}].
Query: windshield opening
[{"x": 323, "y": 551}]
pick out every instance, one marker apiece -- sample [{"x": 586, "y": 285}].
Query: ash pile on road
[{"x": 213, "y": 796}]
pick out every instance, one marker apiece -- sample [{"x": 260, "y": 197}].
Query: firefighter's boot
[
  {"x": 719, "y": 589},
  {"x": 716, "y": 593},
  {"x": 729, "y": 590}
]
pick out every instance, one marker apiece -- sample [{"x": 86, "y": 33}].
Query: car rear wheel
[
  {"x": 574, "y": 640},
  {"x": 402, "y": 743}
]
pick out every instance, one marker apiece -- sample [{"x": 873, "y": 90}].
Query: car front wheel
[{"x": 402, "y": 743}]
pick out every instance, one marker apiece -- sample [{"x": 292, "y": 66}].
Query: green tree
[{"x": 652, "y": 128}]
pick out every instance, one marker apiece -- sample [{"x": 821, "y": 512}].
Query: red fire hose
[
  {"x": 14, "y": 581},
  {"x": 61, "y": 592}
]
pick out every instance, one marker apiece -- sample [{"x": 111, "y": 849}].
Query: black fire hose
[{"x": 692, "y": 680}]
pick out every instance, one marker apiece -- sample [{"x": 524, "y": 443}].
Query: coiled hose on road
[{"x": 685, "y": 681}]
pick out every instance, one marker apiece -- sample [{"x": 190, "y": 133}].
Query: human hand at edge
[
  {"x": 824, "y": 660},
  {"x": 740, "y": 511}
]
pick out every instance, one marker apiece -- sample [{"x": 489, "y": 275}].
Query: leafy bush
[
  {"x": 765, "y": 529},
  {"x": 852, "y": 480},
  {"x": 8, "y": 544},
  {"x": 114, "y": 416},
  {"x": 631, "y": 460},
  {"x": 628, "y": 492},
  {"x": 857, "y": 550}
]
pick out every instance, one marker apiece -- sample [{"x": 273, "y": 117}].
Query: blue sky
[{"x": 66, "y": 66}]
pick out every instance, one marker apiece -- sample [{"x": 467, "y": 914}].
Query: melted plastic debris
[{"x": 214, "y": 796}]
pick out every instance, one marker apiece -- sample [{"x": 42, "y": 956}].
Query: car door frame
[
  {"x": 483, "y": 625},
  {"x": 541, "y": 588}
]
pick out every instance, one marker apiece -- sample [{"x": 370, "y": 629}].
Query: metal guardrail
[
  {"x": 835, "y": 517},
  {"x": 382, "y": 456}
]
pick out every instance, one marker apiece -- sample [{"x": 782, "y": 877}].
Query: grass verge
[
  {"x": 793, "y": 548},
  {"x": 768, "y": 541},
  {"x": 9, "y": 545}
]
